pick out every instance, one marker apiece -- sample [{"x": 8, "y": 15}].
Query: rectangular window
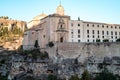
[
  {"x": 71, "y": 24},
  {"x": 87, "y": 24},
  {"x": 103, "y": 37},
  {"x": 78, "y": 36},
  {"x": 102, "y": 32},
  {"x": 112, "y": 37},
  {"x": 87, "y": 31},
  {"x": 78, "y": 24},
  {"x": 98, "y": 32},
  {"x": 106, "y": 26},
  {"x": 111, "y": 32},
  {"x": 88, "y": 36},
  {"x": 93, "y": 31},
  {"x": 78, "y": 40},
  {"x": 78, "y": 31},
  {"x": 102, "y": 26},
  {"x": 115, "y": 33},
  {"x": 71, "y": 32},
  {"x": 111, "y": 26},
  {"x": 97, "y": 25},
  {"x": 107, "y": 33},
  {"x": 93, "y": 25},
  {"x": 98, "y": 36},
  {"x": 88, "y": 40}
]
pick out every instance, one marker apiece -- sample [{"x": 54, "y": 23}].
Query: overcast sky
[{"x": 107, "y": 11}]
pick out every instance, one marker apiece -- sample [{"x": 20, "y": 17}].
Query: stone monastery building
[{"x": 58, "y": 27}]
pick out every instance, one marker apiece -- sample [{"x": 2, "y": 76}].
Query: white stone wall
[
  {"x": 111, "y": 31},
  {"x": 74, "y": 34},
  {"x": 84, "y": 50}
]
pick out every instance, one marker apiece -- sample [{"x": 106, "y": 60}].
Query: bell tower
[
  {"x": 61, "y": 31},
  {"x": 60, "y": 10}
]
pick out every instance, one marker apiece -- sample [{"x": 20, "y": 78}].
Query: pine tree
[{"x": 85, "y": 75}]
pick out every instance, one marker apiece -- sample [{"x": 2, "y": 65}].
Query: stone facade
[
  {"x": 13, "y": 23},
  {"x": 84, "y": 31},
  {"x": 59, "y": 27}
]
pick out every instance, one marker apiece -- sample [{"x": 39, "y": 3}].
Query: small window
[
  {"x": 78, "y": 24},
  {"x": 93, "y": 40},
  {"x": 32, "y": 32},
  {"x": 88, "y": 31},
  {"x": 93, "y": 36},
  {"x": 107, "y": 26},
  {"x": 103, "y": 37},
  {"x": 61, "y": 26},
  {"x": 78, "y": 31},
  {"x": 115, "y": 33},
  {"x": 107, "y": 33},
  {"x": 44, "y": 36},
  {"x": 97, "y": 25},
  {"x": 102, "y": 32},
  {"x": 87, "y": 24},
  {"x": 102, "y": 26},
  {"x": 111, "y": 26},
  {"x": 93, "y": 31},
  {"x": 78, "y": 36},
  {"x": 88, "y": 40},
  {"x": 111, "y": 32},
  {"x": 98, "y": 32},
  {"x": 71, "y": 31},
  {"x": 93, "y": 25},
  {"x": 78, "y": 40},
  {"x": 112, "y": 37},
  {"x": 88, "y": 36},
  {"x": 71, "y": 24},
  {"x": 98, "y": 36},
  {"x": 115, "y": 27}
]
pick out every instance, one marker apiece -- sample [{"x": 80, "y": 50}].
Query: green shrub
[
  {"x": 105, "y": 40},
  {"x": 118, "y": 40},
  {"x": 51, "y": 44},
  {"x": 97, "y": 40}
]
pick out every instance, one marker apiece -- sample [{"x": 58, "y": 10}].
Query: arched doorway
[{"x": 61, "y": 39}]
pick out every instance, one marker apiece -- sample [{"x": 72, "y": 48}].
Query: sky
[{"x": 107, "y": 11}]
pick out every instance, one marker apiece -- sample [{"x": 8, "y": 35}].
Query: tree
[
  {"x": 118, "y": 40},
  {"x": 52, "y": 77},
  {"x": 74, "y": 77},
  {"x": 105, "y": 75},
  {"x": 36, "y": 44},
  {"x": 85, "y": 75}
]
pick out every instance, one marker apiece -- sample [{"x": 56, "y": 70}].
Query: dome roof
[
  {"x": 39, "y": 16},
  {"x": 60, "y": 10}
]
